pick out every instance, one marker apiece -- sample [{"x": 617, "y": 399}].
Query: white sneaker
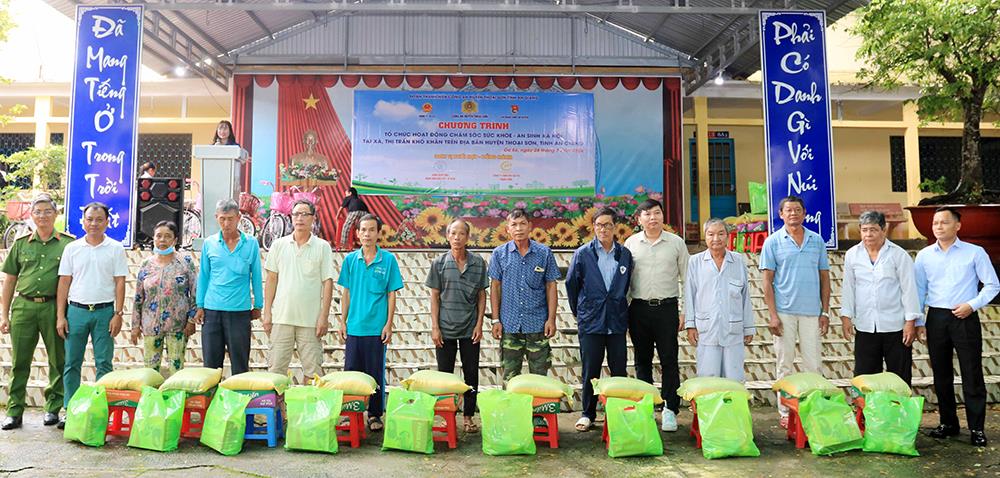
[{"x": 668, "y": 421}]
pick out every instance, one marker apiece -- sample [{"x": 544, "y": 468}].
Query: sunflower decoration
[
  {"x": 583, "y": 225},
  {"x": 387, "y": 236},
  {"x": 432, "y": 220},
  {"x": 434, "y": 238},
  {"x": 477, "y": 236},
  {"x": 500, "y": 235},
  {"x": 540, "y": 236},
  {"x": 564, "y": 235},
  {"x": 623, "y": 231}
]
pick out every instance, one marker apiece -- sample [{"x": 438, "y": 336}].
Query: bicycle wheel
[
  {"x": 275, "y": 227},
  {"x": 14, "y": 230},
  {"x": 192, "y": 228},
  {"x": 246, "y": 225}
]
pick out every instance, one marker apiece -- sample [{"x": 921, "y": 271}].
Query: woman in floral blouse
[{"x": 164, "y": 301}]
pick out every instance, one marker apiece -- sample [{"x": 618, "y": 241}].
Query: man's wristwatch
[{"x": 119, "y": 313}]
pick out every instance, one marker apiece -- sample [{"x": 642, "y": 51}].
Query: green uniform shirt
[{"x": 36, "y": 263}]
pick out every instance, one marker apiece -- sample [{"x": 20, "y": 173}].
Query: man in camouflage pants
[{"x": 523, "y": 297}]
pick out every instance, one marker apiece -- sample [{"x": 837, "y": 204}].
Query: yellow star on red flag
[{"x": 311, "y": 101}]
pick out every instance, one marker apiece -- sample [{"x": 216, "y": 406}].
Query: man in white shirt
[
  {"x": 717, "y": 306},
  {"x": 660, "y": 260},
  {"x": 297, "y": 293},
  {"x": 879, "y": 304},
  {"x": 92, "y": 282}
]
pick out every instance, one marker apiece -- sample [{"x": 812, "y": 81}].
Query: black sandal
[{"x": 374, "y": 424}]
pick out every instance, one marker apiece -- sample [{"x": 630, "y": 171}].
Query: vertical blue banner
[
  {"x": 103, "y": 126},
  {"x": 798, "y": 138}
]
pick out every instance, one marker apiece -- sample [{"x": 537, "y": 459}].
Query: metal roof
[{"x": 704, "y": 37}]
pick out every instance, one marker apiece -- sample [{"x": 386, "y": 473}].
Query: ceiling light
[
  {"x": 180, "y": 70},
  {"x": 719, "y": 80}
]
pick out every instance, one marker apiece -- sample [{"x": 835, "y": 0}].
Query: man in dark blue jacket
[{"x": 597, "y": 284}]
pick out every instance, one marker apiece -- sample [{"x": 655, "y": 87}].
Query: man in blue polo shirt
[
  {"x": 523, "y": 277},
  {"x": 796, "y": 290},
  {"x": 229, "y": 271},
  {"x": 370, "y": 278}
]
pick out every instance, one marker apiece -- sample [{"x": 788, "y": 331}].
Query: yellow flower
[
  {"x": 477, "y": 237},
  {"x": 540, "y": 236},
  {"x": 622, "y": 232},
  {"x": 564, "y": 235},
  {"x": 432, "y": 219},
  {"x": 499, "y": 235},
  {"x": 434, "y": 238},
  {"x": 387, "y": 236}
]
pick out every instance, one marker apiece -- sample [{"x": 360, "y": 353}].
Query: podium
[{"x": 221, "y": 176}]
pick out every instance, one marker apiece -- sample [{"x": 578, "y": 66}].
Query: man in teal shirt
[
  {"x": 230, "y": 270},
  {"x": 370, "y": 278}
]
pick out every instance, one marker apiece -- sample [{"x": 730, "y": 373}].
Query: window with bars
[{"x": 941, "y": 156}]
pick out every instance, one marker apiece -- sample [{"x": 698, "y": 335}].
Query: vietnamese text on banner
[
  {"x": 797, "y": 130},
  {"x": 103, "y": 117},
  {"x": 460, "y": 143}
]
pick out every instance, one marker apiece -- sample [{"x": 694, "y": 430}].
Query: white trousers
[
  {"x": 719, "y": 361},
  {"x": 804, "y": 329}
]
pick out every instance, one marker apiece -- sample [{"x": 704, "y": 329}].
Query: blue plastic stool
[{"x": 272, "y": 431}]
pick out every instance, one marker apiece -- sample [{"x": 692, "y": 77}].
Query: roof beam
[
  {"x": 173, "y": 40},
  {"x": 455, "y": 7},
  {"x": 260, "y": 23}
]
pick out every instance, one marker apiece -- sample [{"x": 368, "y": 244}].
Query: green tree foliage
[
  {"x": 950, "y": 49},
  {"x": 47, "y": 165}
]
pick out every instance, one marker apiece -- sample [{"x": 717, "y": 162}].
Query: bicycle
[
  {"x": 279, "y": 220},
  {"x": 191, "y": 229}
]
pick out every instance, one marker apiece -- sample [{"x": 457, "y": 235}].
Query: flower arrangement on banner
[
  {"x": 556, "y": 222},
  {"x": 298, "y": 172}
]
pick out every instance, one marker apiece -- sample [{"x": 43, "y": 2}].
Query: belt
[
  {"x": 38, "y": 300},
  {"x": 656, "y": 302},
  {"x": 92, "y": 307}
]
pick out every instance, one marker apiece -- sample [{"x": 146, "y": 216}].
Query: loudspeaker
[{"x": 159, "y": 199}]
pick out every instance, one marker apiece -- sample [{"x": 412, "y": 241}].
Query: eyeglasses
[
  {"x": 301, "y": 214},
  {"x": 46, "y": 212},
  {"x": 604, "y": 225}
]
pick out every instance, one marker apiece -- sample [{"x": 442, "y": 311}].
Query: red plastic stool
[
  {"x": 196, "y": 404},
  {"x": 446, "y": 408},
  {"x": 795, "y": 431},
  {"x": 695, "y": 431},
  {"x": 116, "y": 422},
  {"x": 354, "y": 409},
  {"x": 859, "y": 413},
  {"x": 550, "y": 432}
]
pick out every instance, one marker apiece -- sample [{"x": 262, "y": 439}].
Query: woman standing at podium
[{"x": 224, "y": 134}]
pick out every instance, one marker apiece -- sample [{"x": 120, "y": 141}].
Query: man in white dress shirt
[
  {"x": 660, "y": 261},
  {"x": 879, "y": 304},
  {"x": 717, "y": 306}
]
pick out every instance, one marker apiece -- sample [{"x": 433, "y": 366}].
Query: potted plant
[{"x": 950, "y": 49}]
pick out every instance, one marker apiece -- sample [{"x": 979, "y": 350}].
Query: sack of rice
[
  {"x": 351, "y": 383},
  {"x": 193, "y": 379},
  {"x": 625, "y": 387},
  {"x": 132, "y": 379},
  {"x": 540, "y": 386},
  {"x": 801, "y": 384},
  {"x": 258, "y": 381},
  {"x": 434, "y": 383}
]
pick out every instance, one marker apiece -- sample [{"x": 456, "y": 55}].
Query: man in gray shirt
[{"x": 458, "y": 283}]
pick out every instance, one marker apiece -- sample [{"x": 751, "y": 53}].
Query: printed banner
[
  {"x": 797, "y": 130},
  {"x": 103, "y": 117},
  {"x": 458, "y": 143}
]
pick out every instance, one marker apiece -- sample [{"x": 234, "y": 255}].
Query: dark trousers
[
  {"x": 592, "y": 347},
  {"x": 871, "y": 349},
  {"x": 470, "y": 367},
  {"x": 656, "y": 328},
  {"x": 226, "y": 330},
  {"x": 944, "y": 333},
  {"x": 367, "y": 354}
]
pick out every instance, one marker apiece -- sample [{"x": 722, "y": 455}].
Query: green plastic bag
[
  {"x": 87, "y": 415},
  {"x": 758, "y": 197},
  {"x": 313, "y": 414},
  {"x": 632, "y": 428},
  {"x": 409, "y": 420},
  {"x": 158, "y": 420},
  {"x": 725, "y": 424},
  {"x": 892, "y": 422},
  {"x": 507, "y": 427},
  {"x": 225, "y": 422},
  {"x": 829, "y": 423}
]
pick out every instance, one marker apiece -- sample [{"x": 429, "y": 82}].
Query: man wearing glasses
[
  {"x": 597, "y": 285},
  {"x": 31, "y": 268},
  {"x": 298, "y": 287}
]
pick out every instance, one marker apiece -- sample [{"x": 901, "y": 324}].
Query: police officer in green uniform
[{"x": 31, "y": 268}]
